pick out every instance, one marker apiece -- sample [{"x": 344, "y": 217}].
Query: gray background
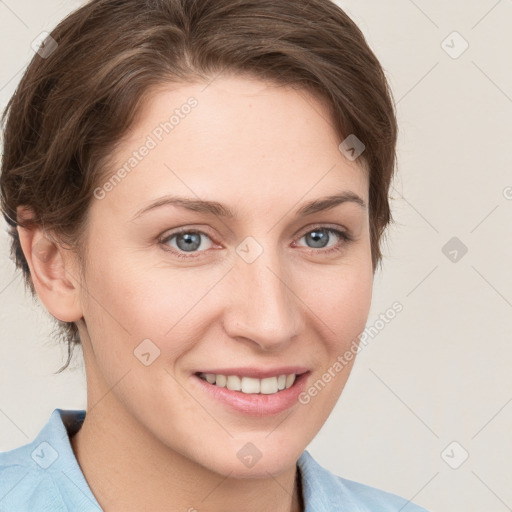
[{"x": 439, "y": 372}]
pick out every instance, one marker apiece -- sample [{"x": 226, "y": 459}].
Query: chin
[{"x": 255, "y": 459}]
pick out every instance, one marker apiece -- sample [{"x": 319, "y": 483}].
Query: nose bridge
[{"x": 263, "y": 309}]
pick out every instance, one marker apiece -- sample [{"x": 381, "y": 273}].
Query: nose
[{"x": 263, "y": 306}]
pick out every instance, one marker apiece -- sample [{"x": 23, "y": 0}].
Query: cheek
[
  {"x": 340, "y": 308},
  {"x": 127, "y": 291},
  {"x": 340, "y": 297},
  {"x": 130, "y": 301}
]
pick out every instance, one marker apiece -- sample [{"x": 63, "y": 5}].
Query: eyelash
[{"x": 344, "y": 235}]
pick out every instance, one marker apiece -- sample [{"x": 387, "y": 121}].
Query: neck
[{"x": 129, "y": 469}]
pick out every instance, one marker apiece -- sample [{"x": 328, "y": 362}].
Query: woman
[{"x": 196, "y": 191}]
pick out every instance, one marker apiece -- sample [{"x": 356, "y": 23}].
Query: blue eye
[
  {"x": 320, "y": 236},
  {"x": 189, "y": 241}
]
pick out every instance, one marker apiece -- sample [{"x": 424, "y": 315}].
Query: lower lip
[{"x": 256, "y": 404}]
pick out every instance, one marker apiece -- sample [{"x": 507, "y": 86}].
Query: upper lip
[{"x": 257, "y": 373}]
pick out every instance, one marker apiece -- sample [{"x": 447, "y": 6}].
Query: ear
[{"x": 53, "y": 271}]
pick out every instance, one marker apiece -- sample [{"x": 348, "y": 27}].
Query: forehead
[{"x": 236, "y": 138}]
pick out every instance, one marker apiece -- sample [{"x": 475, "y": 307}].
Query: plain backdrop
[{"x": 427, "y": 411}]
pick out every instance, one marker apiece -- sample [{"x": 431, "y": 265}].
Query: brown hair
[{"x": 83, "y": 90}]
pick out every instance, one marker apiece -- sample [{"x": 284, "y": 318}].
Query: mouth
[
  {"x": 252, "y": 396},
  {"x": 251, "y": 385}
]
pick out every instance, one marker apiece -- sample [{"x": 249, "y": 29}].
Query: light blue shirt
[{"x": 44, "y": 476}]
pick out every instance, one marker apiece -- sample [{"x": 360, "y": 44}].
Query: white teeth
[
  {"x": 234, "y": 383},
  {"x": 250, "y": 385},
  {"x": 290, "y": 379},
  {"x": 269, "y": 385},
  {"x": 220, "y": 380}
]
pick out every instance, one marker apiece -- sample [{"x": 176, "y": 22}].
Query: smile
[
  {"x": 252, "y": 396},
  {"x": 250, "y": 385}
]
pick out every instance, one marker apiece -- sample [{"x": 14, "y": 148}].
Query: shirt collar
[{"x": 53, "y": 446}]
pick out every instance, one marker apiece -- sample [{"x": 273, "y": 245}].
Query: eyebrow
[{"x": 220, "y": 210}]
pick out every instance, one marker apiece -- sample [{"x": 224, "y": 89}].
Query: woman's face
[{"x": 263, "y": 289}]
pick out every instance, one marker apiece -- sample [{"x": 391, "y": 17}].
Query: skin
[{"x": 150, "y": 440}]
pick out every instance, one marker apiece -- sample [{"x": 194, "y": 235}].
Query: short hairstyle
[{"x": 75, "y": 103}]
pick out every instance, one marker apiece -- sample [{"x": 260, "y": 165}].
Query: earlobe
[{"x": 52, "y": 274}]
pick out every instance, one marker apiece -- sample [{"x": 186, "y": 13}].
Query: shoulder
[
  {"x": 370, "y": 497},
  {"x": 325, "y": 491},
  {"x": 24, "y": 484},
  {"x": 43, "y": 474}
]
